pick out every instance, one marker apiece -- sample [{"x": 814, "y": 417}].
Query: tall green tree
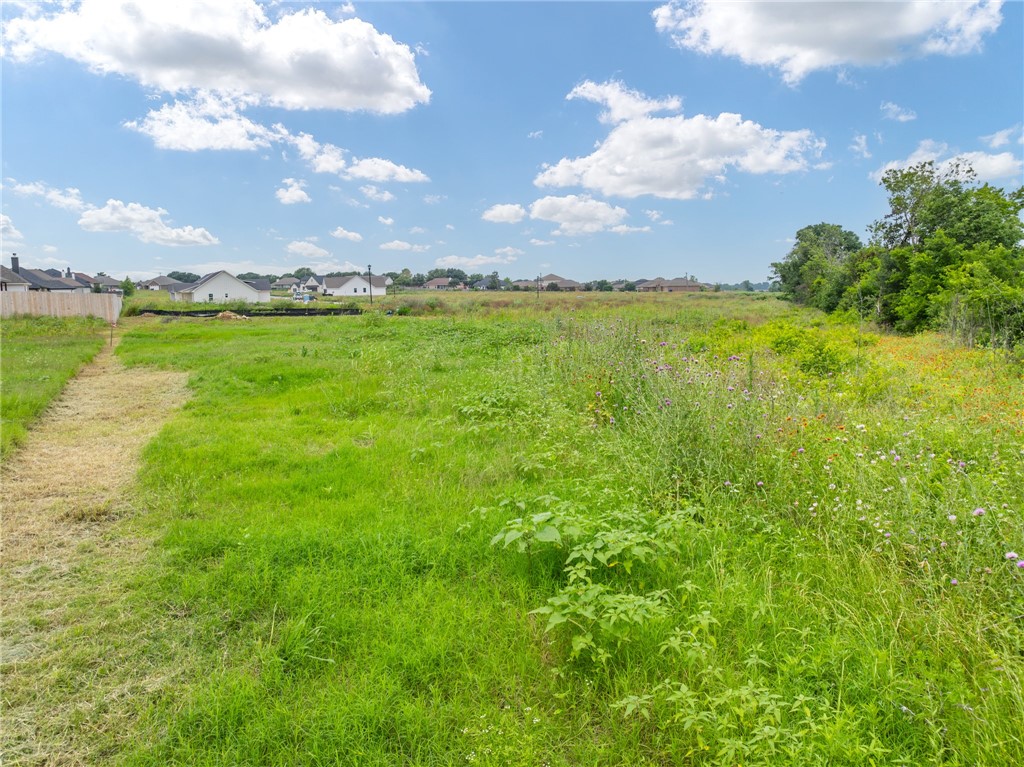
[{"x": 815, "y": 270}]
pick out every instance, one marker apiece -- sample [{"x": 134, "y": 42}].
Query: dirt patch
[{"x": 62, "y": 572}]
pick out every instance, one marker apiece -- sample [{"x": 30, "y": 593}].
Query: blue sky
[{"x": 591, "y": 139}]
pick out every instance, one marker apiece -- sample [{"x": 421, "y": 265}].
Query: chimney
[
  {"x": 14, "y": 265},
  {"x": 68, "y": 275}
]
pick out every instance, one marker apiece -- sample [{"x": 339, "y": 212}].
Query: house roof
[
  {"x": 438, "y": 281},
  {"x": 207, "y": 277},
  {"x": 287, "y": 281},
  {"x": 318, "y": 279},
  {"x": 551, "y": 278},
  {"x": 333, "y": 283},
  {"x": 106, "y": 281},
  {"x": 41, "y": 280},
  {"x": 11, "y": 277},
  {"x": 161, "y": 280},
  {"x": 260, "y": 284},
  {"x": 84, "y": 278}
]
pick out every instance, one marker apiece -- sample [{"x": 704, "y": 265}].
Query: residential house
[
  {"x": 525, "y": 284},
  {"x": 356, "y": 285},
  {"x": 313, "y": 284},
  {"x": 107, "y": 284},
  {"x": 439, "y": 283},
  {"x": 160, "y": 282},
  {"x": 12, "y": 282},
  {"x": 286, "y": 283},
  {"x": 561, "y": 282},
  {"x": 220, "y": 287},
  {"x": 51, "y": 280},
  {"x": 677, "y": 285}
]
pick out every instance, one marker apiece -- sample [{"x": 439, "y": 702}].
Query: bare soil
[{"x": 66, "y": 662}]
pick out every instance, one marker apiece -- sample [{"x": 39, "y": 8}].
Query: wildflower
[
  {"x": 800, "y": 450},
  {"x": 760, "y": 484},
  {"x": 979, "y": 512},
  {"x": 952, "y": 517},
  {"x": 1011, "y": 554},
  {"x": 954, "y": 582},
  {"x": 1020, "y": 565}
]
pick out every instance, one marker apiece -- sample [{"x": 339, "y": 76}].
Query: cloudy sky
[{"x": 591, "y": 139}]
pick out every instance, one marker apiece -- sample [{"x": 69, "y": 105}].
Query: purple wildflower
[
  {"x": 978, "y": 512},
  {"x": 1011, "y": 554}
]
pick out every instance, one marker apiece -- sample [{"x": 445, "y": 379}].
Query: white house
[
  {"x": 313, "y": 284},
  {"x": 222, "y": 286},
  {"x": 355, "y": 285}
]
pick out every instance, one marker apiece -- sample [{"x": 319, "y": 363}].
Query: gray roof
[
  {"x": 40, "y": 280},
  {"x": 333, "y": 283},
  {"x": 287, "y": 281},
  {"x": 259, "y": 284},
  {"x": 11, "y": 277}
]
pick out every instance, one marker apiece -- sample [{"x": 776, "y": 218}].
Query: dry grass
[{"x": 62, "y": 574}]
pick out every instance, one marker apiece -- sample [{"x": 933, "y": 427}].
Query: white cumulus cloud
[
  {"x": 504, "y": 214},
  {"x": 988, "y": 167},
  {"x": 577, "y": 214},
  {"x": 891, "y": 111},
  {"x": 207, "y": 121},
  {"x": 300, "y": 60},
  {"x": 7, "y": 229},
  {"x": 306, "y": 249},
  {"x": 798, "y": 38},
  {"x": 386, "y": 220},
  {"x": 344, "y": 234},
  {"x": 370, "y": 192},
  {"x": 1003, "y": 137},
  {"x": 146, "y": 224},
  {"x": 380, "y": 170},
  {"x": 402, "y": 245},
  {"x": 471, "y": 263},
  {"x": 508, "y": 251},
  {"x": 860, "y": 146},
  {"x": 673, "y": 157},
  {"x": 292, "y": 192},
  {"x": 65, "y": 199},
  {"x": 541, "y": 243}
]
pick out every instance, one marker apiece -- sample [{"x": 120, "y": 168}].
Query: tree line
[{"x": 949, "y": 255}]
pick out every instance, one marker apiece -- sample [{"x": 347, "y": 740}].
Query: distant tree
[
  {"x": 629, "y": 287},
  {"x": 182, "y": 276},
  {"x": 418, "y": 279},
  {"x": 127, "y": 287},
  {"x": 474, "y": 278},
  {"x": 303, "y": 273},
  {"x": 552, "y": 287},
  {"x": 493, "y": 281}
]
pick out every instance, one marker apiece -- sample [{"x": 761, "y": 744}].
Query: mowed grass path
[{"x": 734, "y": 567}]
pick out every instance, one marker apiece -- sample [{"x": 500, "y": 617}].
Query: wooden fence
[{"x": 107, "y": 306}]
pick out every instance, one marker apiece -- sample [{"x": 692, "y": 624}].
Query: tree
[
  {"x": 629, "y": 287},
  {"x": 183, "y": 276},
  {"x": 303, "y": 273},
  {"x": 552, "y": 287},
  {"x": 127, "y": 287},
  {"x": 493, "y": 281},
  {"x": 814, "y": 270}
]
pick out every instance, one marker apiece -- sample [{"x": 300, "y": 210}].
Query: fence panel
[{"x": 61, "y": 304}]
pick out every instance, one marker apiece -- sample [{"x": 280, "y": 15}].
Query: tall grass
[
  {"x": 608, "y": 530},
  {"x": 37, "y": 357}
]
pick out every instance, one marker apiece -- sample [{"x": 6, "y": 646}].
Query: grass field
[
  {"x": 606, "y": 530},
  {"x": 37, "y": 357}
]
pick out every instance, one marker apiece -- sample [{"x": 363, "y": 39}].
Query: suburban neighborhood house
[
  {"x": 561, "y": 282},
  {"x": 355, "y": 285},
  {"x": 222, "y": 286},
  {"x": 438, "y": 283},
  {"x": 677, "y": 285},
  {"x": 47, "y": 280},
  {"x": 286, "y": 283}
]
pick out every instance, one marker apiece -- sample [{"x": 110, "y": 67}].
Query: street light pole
[{"x": 369, "y": 279}]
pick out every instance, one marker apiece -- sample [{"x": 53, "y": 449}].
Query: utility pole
[
  {"x": 369, "y": 279},
  {"x": 538, "y": 287}
]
